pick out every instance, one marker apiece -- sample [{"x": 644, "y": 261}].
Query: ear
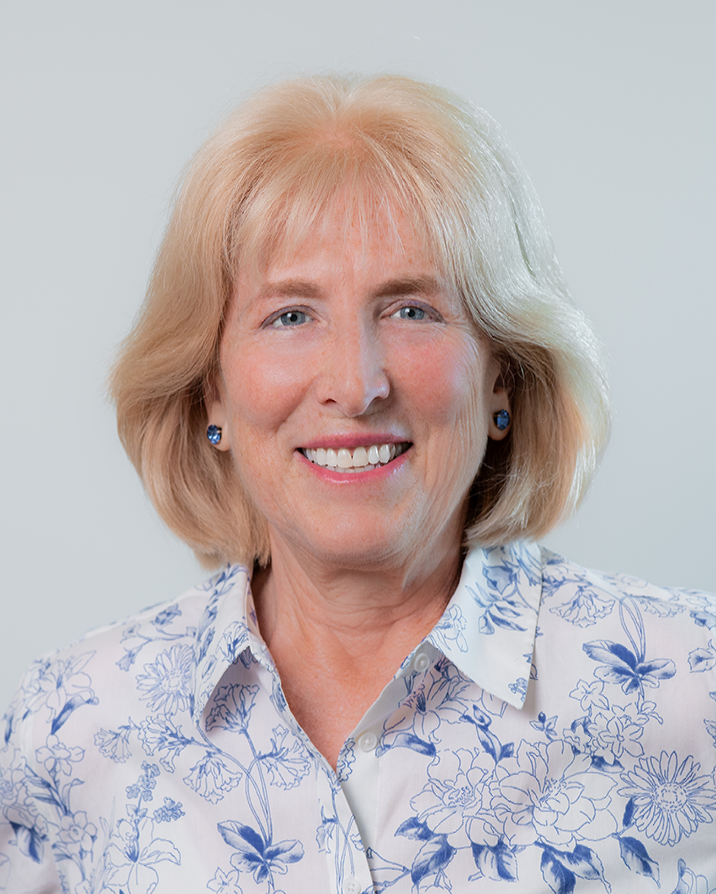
[
  {"x": 216, "y": 414},
  {"x": 498, "y": 402}
]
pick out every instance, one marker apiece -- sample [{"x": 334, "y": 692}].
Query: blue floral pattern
[{"x": 556, "y": 730}]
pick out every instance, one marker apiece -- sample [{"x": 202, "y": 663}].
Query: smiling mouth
[{"x": 360, "y": 459}]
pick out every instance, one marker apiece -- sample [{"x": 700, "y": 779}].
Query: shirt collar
[
  {"x": 228, "y": 628},
  {"x": 489, "y": 627},
  {"x": 487, "y": 630}
]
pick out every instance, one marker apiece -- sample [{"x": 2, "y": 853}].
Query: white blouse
[{"x": 556, "y": 730}]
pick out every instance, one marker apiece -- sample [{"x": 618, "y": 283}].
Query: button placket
[{"x": 353, "y": 873}]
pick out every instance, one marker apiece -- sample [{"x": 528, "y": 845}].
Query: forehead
[
  {"x": 387, "y": 235},
  {"x": 352, "y": 234}
]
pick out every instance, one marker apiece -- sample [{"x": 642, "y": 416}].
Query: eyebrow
[
  {"x": 418, "y": 285},
  {"x": 296, "y": 288},
  {"x": 290, "y": 288}
]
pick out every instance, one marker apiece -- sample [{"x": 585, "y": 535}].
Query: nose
[{"x": 353, "y": 376}]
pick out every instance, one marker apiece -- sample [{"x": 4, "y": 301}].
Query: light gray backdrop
[{"x": 610, "y": 104}]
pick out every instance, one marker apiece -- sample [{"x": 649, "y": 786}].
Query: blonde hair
[{"x": 259, "y": 185}]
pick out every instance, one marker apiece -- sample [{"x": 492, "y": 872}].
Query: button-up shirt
[{"x": 555, "y": 730}]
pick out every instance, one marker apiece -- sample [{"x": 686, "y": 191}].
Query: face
[{"x": 356, "y": 397}]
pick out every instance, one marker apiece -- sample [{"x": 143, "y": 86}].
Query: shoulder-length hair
[{"x": 268, "y": 177}]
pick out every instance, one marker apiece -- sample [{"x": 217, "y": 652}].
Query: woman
[{"x": 359, "y": 380}]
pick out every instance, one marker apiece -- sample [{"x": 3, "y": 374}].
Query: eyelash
[
  {"x": 410, "y": 307},
  {"x": 275, "y": 321},
  {"x": 429, "y": 314}
]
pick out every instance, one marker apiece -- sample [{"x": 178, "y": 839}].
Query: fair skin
[{"x": 353, "y": 343}]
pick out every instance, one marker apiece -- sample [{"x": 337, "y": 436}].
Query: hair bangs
[{"x": 329, "y": 183}]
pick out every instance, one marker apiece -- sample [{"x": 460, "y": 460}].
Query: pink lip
[
  {"x": 336, "y": 442},
  {"x": 336, "y": 477}
]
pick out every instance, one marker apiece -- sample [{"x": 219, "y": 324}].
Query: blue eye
[
  {"x": 410, "y": 312},
  {"x": 290, "y": 318}
]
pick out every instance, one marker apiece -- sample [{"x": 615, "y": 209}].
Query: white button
[
  {"x": 421, "y": 662},
  {"x": 352, "y": 886},
  {"x": 367, "y": 742}
]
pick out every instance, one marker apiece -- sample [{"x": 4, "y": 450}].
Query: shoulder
[
  {"x": 143, "y": 662},
  {"x": 77, "y": 718},
  {"x": 583, "y": 596},
  {"x": 122, "y": 642},
  {"x": 629, "y": 632}
]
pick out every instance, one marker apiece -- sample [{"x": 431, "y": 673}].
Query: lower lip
[{"x": 329, "y": 474}]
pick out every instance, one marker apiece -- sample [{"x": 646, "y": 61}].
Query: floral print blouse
[{"x": 556, "y": 731}]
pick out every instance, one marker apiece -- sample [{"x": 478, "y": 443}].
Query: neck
[
  {"x": 338, "y": 635},
  {"x": 351, "y": 605}
]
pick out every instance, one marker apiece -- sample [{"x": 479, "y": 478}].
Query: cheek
[
  {"x": 447, "y": 392},
  {"x": 262, "y": 389},
  {"x": 262, "y": 395},
  {"x": 446, "y": 383}
]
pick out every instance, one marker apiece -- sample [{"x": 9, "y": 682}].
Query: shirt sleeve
[{"x": 27, "y": 865}]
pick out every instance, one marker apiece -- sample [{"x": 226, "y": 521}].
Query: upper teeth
[{"x": 360, "y": 458}]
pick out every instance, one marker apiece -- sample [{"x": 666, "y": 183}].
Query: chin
[
  {"x": 356, "y": 543},
  {"x": 362, "y": 553}
]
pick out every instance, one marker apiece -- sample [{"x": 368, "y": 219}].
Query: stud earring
[
  {"x": 213, "y": 433},
  {"x": 502, "y": 420}
]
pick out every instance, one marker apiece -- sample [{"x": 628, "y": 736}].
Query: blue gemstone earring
[
  {"x": 213, "y": 433},
  {"x": 502, "y": 420}
]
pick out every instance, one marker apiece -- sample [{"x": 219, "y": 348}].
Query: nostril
[{"x": 355, "y": 394}]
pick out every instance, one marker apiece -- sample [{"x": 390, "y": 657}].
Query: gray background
[{"x": 611, "y": 106}]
